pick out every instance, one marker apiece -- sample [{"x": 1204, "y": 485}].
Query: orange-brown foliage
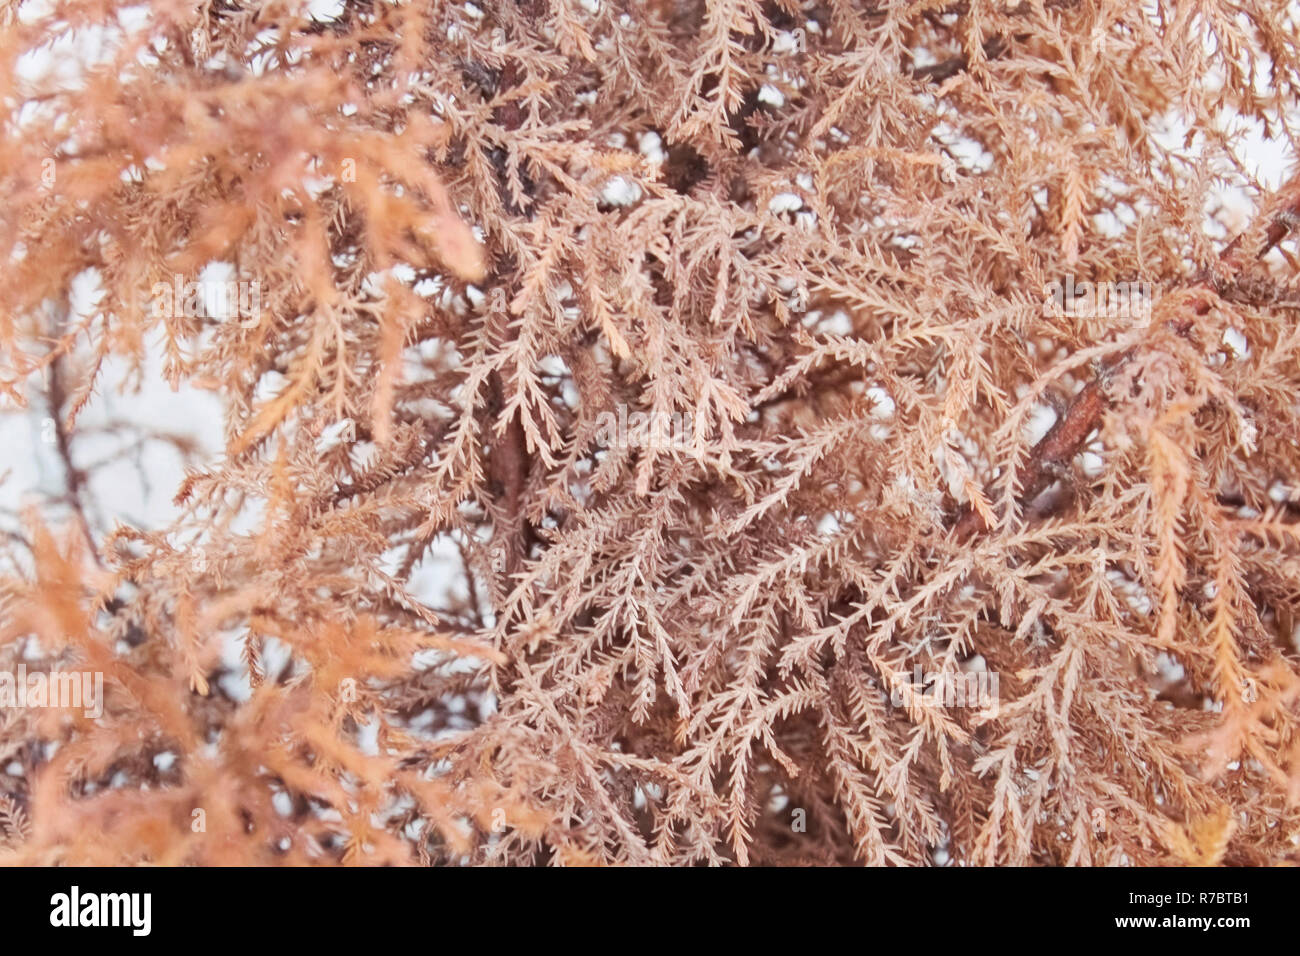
[{"x": 820, "y": 232}]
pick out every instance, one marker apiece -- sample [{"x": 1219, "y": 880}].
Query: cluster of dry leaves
[{"x": 821, "y": 229}]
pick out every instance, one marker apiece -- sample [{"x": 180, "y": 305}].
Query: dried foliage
[{"x": 821, "y": 230}]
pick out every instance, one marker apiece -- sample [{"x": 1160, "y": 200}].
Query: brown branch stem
[{"x": 1057, "y": 448}]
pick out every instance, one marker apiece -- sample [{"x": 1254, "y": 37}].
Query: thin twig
[{"x": 1066, "y": 438}]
